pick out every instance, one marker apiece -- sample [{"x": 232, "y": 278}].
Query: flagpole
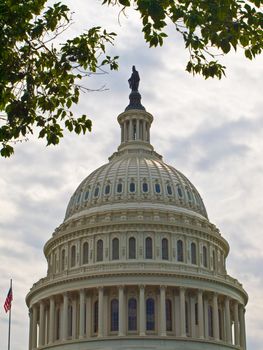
[{"x": 9, "y": 326}]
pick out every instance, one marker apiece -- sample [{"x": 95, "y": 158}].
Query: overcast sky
[{"x": 210, "y": 130}]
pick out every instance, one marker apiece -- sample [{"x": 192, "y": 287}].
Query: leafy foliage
[
  {"x": 209, "y": 28},
  {"x": 39, "y": 80}
]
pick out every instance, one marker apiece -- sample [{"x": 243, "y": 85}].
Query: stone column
[
  {"x": 206, "y": 318},
  {"x": 137, "y": 129},
  {"x": 74, "y": 318},
  {"x": 200, "y": 315},
  {"x": 144, "y": 130},
  {"x": 228, "y": 321},
  {"x": 100, "y": 306},
  {"x": 41, "y": 323},
  {"x": 125, "y": 131},
  {"x": 242, "y": 327},
  {"x": 81, "y": 313},
  {"x": 130, "y": 130},
  {"x": 51, "y": 319},
  {"x": 215, "y": 317},
  {"x": 34, "y": 328},
  {"x": 65, "y": 317},
  {"x": 142, "y": 311},
  {"x": 182, "y": 312},
  {"x": 30, "y": 314},
  {"x": 88, "y": 316},
  {"x": 162, "y": 313},
  {"x": 121, "y": 312},
  {"x": 236, "y": 324}
]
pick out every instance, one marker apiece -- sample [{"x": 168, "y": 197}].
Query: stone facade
[{"x": 136, "y": 263}]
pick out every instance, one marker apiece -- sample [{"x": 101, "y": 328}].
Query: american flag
[{"x": 8, "y": 300}]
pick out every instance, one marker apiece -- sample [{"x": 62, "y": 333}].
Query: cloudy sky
[{"x": 210, "y": 130}]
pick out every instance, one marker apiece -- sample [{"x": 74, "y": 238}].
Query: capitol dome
[
  {"x": 136, "y": 263},
  {"x": 134, "y": 177}
]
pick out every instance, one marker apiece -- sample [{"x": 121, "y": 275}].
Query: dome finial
[{"x": 135, "y": 97}]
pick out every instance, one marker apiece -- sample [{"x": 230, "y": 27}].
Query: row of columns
[
  {"x": 135, "y": 129},
  {"x": 43, "y": 326}
]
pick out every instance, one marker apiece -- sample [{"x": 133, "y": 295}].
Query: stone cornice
[{"x": 215, "y": 280}]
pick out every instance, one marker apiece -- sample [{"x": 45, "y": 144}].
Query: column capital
[
  {"x": 142, "y": 286},
  {"x": 162, "y": 286},
  {"x": 121, "y": 286}
]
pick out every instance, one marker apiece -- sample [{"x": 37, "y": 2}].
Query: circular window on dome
[
  {"x": 132, "y": 187},
  {"x": 179, "y": 191},
  {"x": 157, "y": 188},
  {"x": 169, "y": 190},
  {"x": 145, "y": 187},
  {"x": 107, "y": 189},
  {"x": 96, "y": 192}
]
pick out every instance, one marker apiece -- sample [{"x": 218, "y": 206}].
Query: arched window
[
  {"x": 204, "y": 256},
  {"x": 100, "y": 250},
  {"x": 180, "y": 251},
  {"x": 145, "y": 187},
  {"x": 114, "y": 315},
  {"x": 169, "y": 190},
  {"x": 165, "y": 254},
  {"x": 119, "y": 187},
  {"x": 150, "y": 315},
  {"x": 132, "y": 314},
  {"x": 86, "y": 196},
  {"x": 210, "y": 321},
  {"x": 193, "y": 253},
  {"x": 78, "y": 198},
  {"x": 115, "y": 249},
  {"x": 96, "y": 192},
  {"x": 168, "y": 310},
  {"x": 148, "y": 248},
  {"x": 179, "y": 191},
  {"x": 132, "y": 187},
  {"x": 95, "y": 317},
  {"x": 73, "y": 256},
  {"x": 157, "y": 188},
  {"x": 63, "y": 254},
  {"x": 132, "y": 248},
  {"x": 107, "y": 189},
  {"x": 85, "y": 253}
]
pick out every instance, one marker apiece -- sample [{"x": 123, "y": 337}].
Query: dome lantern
[{"x": 135, "y": 122}]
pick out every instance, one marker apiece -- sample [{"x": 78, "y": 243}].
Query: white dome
[{"x": 135, "y": 176}]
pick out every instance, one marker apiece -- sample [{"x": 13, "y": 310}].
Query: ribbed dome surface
[{"x": 135, "y": 176}]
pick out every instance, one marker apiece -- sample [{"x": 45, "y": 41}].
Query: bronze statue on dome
[{"x": 134, "y": 80}]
